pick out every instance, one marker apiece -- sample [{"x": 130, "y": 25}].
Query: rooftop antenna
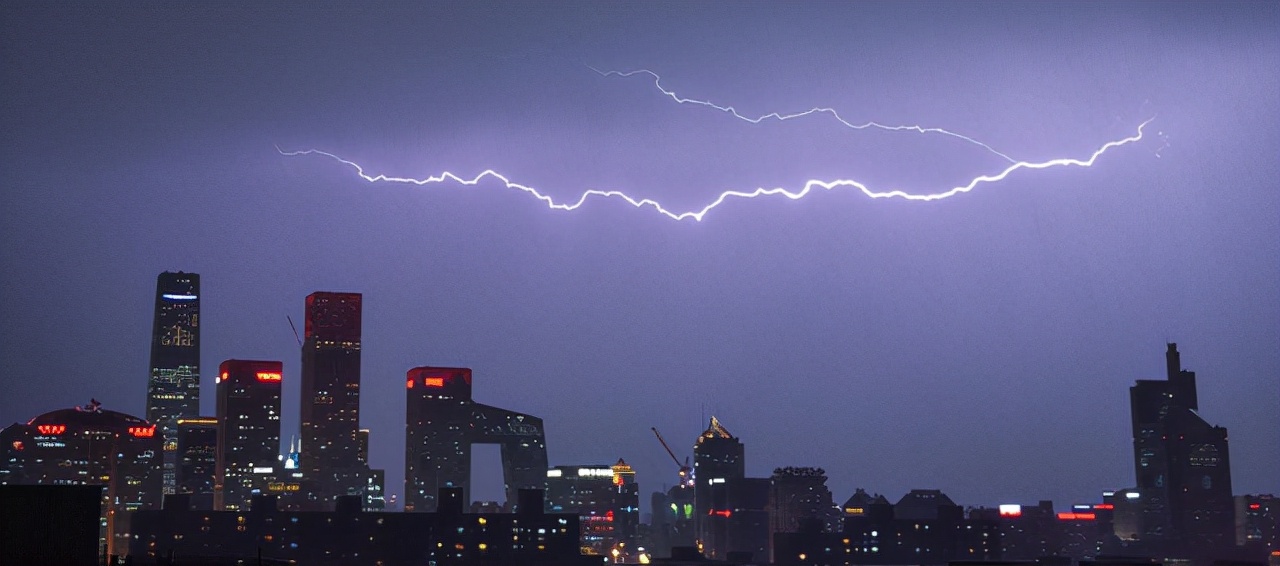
[{"x": 295, "y": 331}]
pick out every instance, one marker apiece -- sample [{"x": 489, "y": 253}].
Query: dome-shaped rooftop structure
[{"x": 91, "y": 417}]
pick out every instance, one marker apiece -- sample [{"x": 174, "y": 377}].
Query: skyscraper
[
  {"x": 606, "y": 499},
  {"x": 442, "y": 422},
  {"x": 248, "y": 431},
  {"x": 173, "y": 390},
  {"x": 1181, "y": 462},
  {"x": 718, "y": 457},
  {"x": 197, "y": 459},
  {"x": 331, "y": 446}
]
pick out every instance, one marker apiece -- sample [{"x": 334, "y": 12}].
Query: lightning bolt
[
  {"x": 657, "y": 82},
  {"x": 699, "y": 214}
]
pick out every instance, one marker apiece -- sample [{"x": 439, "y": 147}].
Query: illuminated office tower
[
  {"x": 331, "y": 444},
  {"x": 442, "y": 422},
  {"x": 718, "y": 457},
  {"x": 173, "y": 390},
  {"x": 248, "y": 431},
  {"x": 1181, "y": 462},
  {"x": 197, "y": 459}
]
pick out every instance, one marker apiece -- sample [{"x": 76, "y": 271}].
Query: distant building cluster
[{"x": 177, "y": 485}]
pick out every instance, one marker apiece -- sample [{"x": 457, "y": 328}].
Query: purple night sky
[{"x": 982, "y": 344}]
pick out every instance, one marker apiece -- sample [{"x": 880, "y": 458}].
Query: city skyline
[{"x": 981, "y": 345}]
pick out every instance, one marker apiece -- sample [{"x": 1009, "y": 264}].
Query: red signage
[
  {"x": 1104, "y": 506},
  {"x": 1076, "y": 516},
  {"x": 434, "y": 382},
  {"x": 51, "y": 428},
  {"x": 143, "y": 431},
  {"x": 720, "y": 512},
  {"x": 269, "y": 376}
]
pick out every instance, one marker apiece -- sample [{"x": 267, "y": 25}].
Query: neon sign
[
  {"x": 269, "y": 376},
  {"x": 433, "y": 382},
  {"x": 143, "y": 431},
  {"x": 51, "y": 428},
  {"x": 1076, "y": 516}
]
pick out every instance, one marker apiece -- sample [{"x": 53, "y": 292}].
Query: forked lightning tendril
[{"x": 657, "y": 82}]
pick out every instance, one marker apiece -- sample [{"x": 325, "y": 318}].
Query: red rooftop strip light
[{"x": 1076, "y": 516}]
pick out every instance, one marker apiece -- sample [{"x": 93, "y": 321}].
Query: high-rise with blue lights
[{"x": 173, "y": 389}]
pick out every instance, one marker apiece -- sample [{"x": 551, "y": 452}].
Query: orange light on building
[
  {"x": 433, "y": 382},
  {"x": 409, "y": 385},
  {"x": 269, "y": 376},
  {"x": 51, "y": 428},
  {"x": 1076, "y": 516},
  {"x": 143, "y": 431}
]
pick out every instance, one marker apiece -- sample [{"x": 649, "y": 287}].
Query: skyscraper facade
[
  {"x": 173, "y": 390},
  {"x": 331, "y": 446},
  {"x": 197, "y": 459},
  {"x": 1181, "y": 462},
  {"x": 442, "y": 422},
  {"x": 718, "y": 457},
  {"x": 606, "y": 500},
  {"x": 248, "y": 431}
]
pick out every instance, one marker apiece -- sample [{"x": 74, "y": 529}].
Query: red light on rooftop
[
  {"x": 433, "y": 382},
  {"x": 409, "y": 384},
  {"x": 1076, "y": 516},
  {"x": 143, "y": 431},
  {"x": 269, "y": 376},
  {"x": 51, "y": 428}
]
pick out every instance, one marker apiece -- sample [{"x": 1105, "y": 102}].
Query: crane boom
[{"x": 664, "y": 445}]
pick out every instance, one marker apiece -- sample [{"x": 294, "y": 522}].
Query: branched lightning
[
  {"x": 657, "y": 82},
  {"x": 698, "y": 215}
]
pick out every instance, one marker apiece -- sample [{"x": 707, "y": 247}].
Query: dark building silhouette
[
  {"x": 349, "y": 537},
  {"x": 718, "y": 457},
  {"x": 1182, "y": 465},
  {"x": 442, "y": 422},
  {"x": 799, "y": 494},
  {"x": 1027, "y": 532},
  {"x": 330, "y": 415},
  {"x": 1258, "y": 522},
  {"x": 91, "y": 446},
  {"x": 197, "y": 459},
  {"x": 606, "y": 500},
  {"x": 248, "y": 431},
  {"x": 924, "y": 527},
  {"x": 173, "y": 389},
  {"x": 50, "y": 525},
  {"x": 672, "y": 522}
]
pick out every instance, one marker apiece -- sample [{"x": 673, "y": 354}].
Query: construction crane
[{"x": 686, "y": 472}]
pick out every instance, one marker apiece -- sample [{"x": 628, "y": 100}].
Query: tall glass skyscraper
[
  {"x": 173, "y": 390},
  {"x": 331, "y": 454}
]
